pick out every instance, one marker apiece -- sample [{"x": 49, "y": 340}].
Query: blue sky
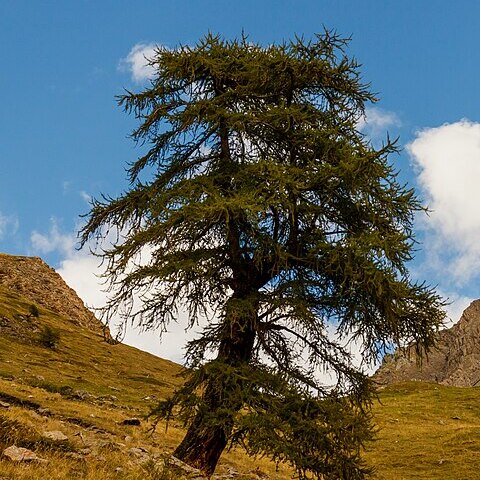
[{"x": 63, "y": 139}]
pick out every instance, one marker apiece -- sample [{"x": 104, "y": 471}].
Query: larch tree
[{"x": 264, "y": 210}]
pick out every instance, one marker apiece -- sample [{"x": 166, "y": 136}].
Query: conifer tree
[{"x": 265, "y": 210}]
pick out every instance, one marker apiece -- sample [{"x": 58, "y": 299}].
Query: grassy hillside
[
  {"x": 86, "y": 388},
  {"x": 427, "y": 431}
]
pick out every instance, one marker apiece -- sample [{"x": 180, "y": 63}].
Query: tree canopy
[{"x": 264, "y": 209}]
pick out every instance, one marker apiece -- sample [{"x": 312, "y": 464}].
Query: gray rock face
[{"x": 455, "y": 361}]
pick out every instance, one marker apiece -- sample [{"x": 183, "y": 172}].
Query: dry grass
[
  {"x": 33, "y": 377},
  {"x": 427, "y": 431}
]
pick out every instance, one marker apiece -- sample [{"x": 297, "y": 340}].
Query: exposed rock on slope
[
  {"x": 455, "y": 361},
  {"x": 32, "y": 278}
]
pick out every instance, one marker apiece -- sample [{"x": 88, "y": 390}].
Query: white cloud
[
  {"x": 54, "y": 240},
  {"x": 8, "y": 224},
  {"x": 66, "y": 185},
  {"x": 137, "y": 62},
  {"x": 376, "y": 122},
  {"x": 85, "y": 196},
  {"x": 81, "y": 270},
  {"x": 458, "y": 304},
  {"x": 447, "y": 159}
]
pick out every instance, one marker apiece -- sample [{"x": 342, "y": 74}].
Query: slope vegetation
[
  {"x": 83, "y": 387},
  {"x": 427, "y": 431},
  {"x": 87, "y": 388}
]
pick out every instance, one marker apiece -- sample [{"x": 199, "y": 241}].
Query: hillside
[
  {"x": 86, "y": 388},
  {"x": 33, "y": 279},
  {"x": 426, "y": 431}
]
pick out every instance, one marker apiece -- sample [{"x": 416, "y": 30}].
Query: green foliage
[
  {"x": 33, "y": 311},
  {"x": 64, "y": 390},
  {"x": 49, "y": 337},
  {"x": 264, "y": 209}
]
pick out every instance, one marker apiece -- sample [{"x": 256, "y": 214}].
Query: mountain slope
[
  {"x": 33, "y": 279},
  {"x": 426, "y": 431},
  {"x": 455, "y": 360},
  {"x": 85, "y": 388}
]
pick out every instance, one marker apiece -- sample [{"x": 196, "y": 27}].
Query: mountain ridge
[
  {"x": 455, "y": 360},
  {"x": 35, "y": 280}
]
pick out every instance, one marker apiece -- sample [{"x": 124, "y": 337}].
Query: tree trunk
[
  {"x": 202, "y": 445},
  {"x": 206, "y": 439}
]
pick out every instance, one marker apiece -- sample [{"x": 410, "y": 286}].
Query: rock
[
  {"x": 455, "y": 361},
  {"x": 4, "y": 404},
  {"x": 82, "y": 395},
  {"x": 183, "y": 466},
  {"x": 131, "y": 421},
  {"x": 141, "y": 455},
  {"x": 137, "y": 451},
  {"x": 55, "y": 435},
  {"x": 19, "y": 454},
  {"x": 44, "y": 411},
  {"x": 108, "y": 398}
]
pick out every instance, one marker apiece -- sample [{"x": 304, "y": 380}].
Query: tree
[{"x": 264, "y": 209}]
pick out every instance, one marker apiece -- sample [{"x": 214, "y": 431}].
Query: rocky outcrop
[
  {"x": 455, "y": 361},
  {"x": 32, "y": 278},
  {"x": 20, "y": 454}
]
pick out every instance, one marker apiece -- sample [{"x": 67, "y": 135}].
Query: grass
[
  {"x": 426, "y": 431},
  {"x": 42, "y": 384}
]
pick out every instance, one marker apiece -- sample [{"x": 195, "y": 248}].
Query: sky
[{"x": 64, "y": 140}]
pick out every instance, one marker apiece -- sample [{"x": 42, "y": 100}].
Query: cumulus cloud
[
  {"x": 52, "y": 241},
  {"x": 82, "y": 271},
  {"x": 137, "y": 62},
  {"x": 447, "y": 159},
  {"x": 8, "y": 224},
  {"x": 376, "y": 123}
]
